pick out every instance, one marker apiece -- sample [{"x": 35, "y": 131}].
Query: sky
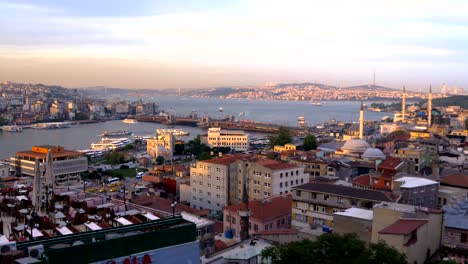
[{"x": 209, "y": 43}]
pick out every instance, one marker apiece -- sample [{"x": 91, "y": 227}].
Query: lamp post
[{"x": 173, "y": 205}]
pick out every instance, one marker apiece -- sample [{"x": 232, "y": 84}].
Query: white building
[
  {"x": 234, "y": 139},
  {"x": 211, "y": 180},
  {"x": 387, "y": 128},
  {"x": 4, "y": 170}
]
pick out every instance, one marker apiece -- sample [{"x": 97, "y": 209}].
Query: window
[
  {"x": 286, "y": 174},
  {"x": 298, "y": 193},
  {"x": 218, "y": 178},
  {"x": 301, "y": 218},
  {"x": 218, "y": 187},
  {"x": 302, "y": 180},
  {"x": 255, "y": 227},
  {"x": 281, "y": 175},
  {"x": 266, "y": 227},
  {"x": 209, "y": 202},
  {"x": 209, "y": 185},
  {"x": 297, "y": 172},
  {"x": 218, "y": 196},
  {"x": 339, "y": 199},
  {"x": 228, "y": 218},
  {"x": 464, "y": 237},
  {"x": 209, "y": 193},
  {"x": 278, "y": 223},
  {"x": 325, "y": 197},
  {"x": 233, "y": 220},
  {"x": 281, "y": 185},
  {"x": 201, "y": 183}
]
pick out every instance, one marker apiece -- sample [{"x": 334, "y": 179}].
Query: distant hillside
[
  {"x": 459, "y": 100},
  {"x": 371, "y": 87}
]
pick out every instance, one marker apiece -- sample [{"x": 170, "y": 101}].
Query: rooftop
[
  {"x": 197, "y": 220},
  {"x": 455, "y": 180},
  {"x": 267, "y": 208},
  {"x": 403, "y": 226},
  {"x": 225, "y": 160},
  {"x": 391, "y": 163},
  {"x": 456, "y": 216},
  {"x": 414, "y": 182},
  {"x": 275, "y": 165},
  {"x": 357, "y": 213},
  {"x": 242, "y": 251},
  {"x": 352, "y": 192}
]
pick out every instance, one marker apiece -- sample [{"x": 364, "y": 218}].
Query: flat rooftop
[{"x": 357, "y": 213}]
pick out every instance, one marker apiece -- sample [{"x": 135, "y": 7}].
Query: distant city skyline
[{"x": 199, "y": 44}]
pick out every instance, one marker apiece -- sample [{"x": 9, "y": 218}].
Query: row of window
[
  {"x": 286, "y": 174},
  {"x": 208, "y": 193},
  {"x": 259, "y": 192},
  {"x": 291, "y": 183},
  {"x": 228, "y": 138}
]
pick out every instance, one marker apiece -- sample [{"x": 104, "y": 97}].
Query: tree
[
  {"x": 160, "y": 160},
  {"x": 179, "y": 149},
  {"x": 333, "y": 248},
  {"x": 196, "y": 147},
  {"x": 114, "y": 158},
  {"x": 128, "y": 147},
  {"x": 310, "y": 142},
  {"x": 204, "y": 156},
  {"x": 282, "y": 137}
]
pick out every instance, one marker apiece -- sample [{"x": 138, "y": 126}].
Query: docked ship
[
  {"x": 175, "y": 132},
  {"x": 129, "y": 121},
  {"x": 52, "y": 125},
  {"x": 111, "y": 144},
  {"x": 316, "y": 103},
  {"x": 12, "y": 128},
  {"x": 302, "y": 122},
  {"x": 115, "y": 133}
]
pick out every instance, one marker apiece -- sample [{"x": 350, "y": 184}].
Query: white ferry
[
  {"x": 111, "y": 144},
  {"x": 115, "y": 133},
  {"x": 175, "y": 132},
  {"x": 316, "y": 103},
  {"x": 12, "y": 128},
  {"x": 52, "y": 125},
  {"x": 129, "y": 121}
]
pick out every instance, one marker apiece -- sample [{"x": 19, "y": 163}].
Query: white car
[{"x": 140, "y": 174}]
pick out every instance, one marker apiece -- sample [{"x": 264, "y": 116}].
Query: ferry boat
[
  {"x": 52, "y": 125},
  {"x": 115, "y": 133},
  {"x": 12, "y": 128},
  {"x": 175, "y": 132},
  {"x": 316, "y": 103},
  {"x": 129, "y": 121},
  {"x": 221, "y": 109},
  {"x": 302, "y": 122},
  {"x": 111, "y": 144}
]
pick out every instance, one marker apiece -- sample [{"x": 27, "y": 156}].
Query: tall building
[
  {"x": 67, "y": 164},
  {"x": 403, "y": 105},
  {"x": 429, "y": 108},
  {"x": 234, "y": 139},
  {"x": 361, "y": 121},
  {"x": 161, "y": 145}
]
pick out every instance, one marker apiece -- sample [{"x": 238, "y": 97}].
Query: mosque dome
[
  {"x": 373, "y": 153},
  {"x": 356, "y": 145}
]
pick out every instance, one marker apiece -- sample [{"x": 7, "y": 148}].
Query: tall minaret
[
  {"x": 429, "y": 108},
  {"x": 403, "y": 105},
  {"x": 244, "y": 214},
  {"x": 361, "y": 121}
]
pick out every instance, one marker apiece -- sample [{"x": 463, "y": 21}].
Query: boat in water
[
  {"x": 12, "y": 128},
  {"x": 221, "y": 109},
  {"x": 110, "y": 144},
  {"x": 115, "y": 133},
  {"x": 175, "y": 132},
  {"x": 316, "y": 103},
  {"x": 129, "y": 121}
]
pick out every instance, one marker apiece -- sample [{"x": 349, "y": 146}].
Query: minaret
[
  {"x": 37, "y": 185},
  {"x": 361, "y": 121},
  {"x": 429, "y": 108},
  {"x": 403, "y": 105},
  {"x": 49, "y": 170},
  {"x": 244, "y": 214}
]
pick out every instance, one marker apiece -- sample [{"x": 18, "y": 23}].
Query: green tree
[
  {"x": 114, "y": 158},
  {"x": 160, "y": 160},
  {"x": 128, "y": 147},
  {"x": 281, "y": 137},
  {"x": 179, "y": 149},
  {"x": 310, "y": 142},
  {"x": 204, "y": 156},
  {"x": 81, "y": 116},
  {"x": 196, "y": 147},
  {"x": 333, "y": 249}
]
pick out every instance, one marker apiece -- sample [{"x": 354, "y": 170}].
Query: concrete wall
[{"x": 346, "y": 225}]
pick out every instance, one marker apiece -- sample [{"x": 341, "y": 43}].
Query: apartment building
[
  {"x": 67, "y": 164},
  {"x": 270, "y": 213},
  {"x": 315, "y": 203},
  {"x": 234, "y": 139},
  {"x": 418, "y": 157},
  {"x": 265, "y": 177},
  {"x": 413, "y": 230},
  {"x": 417, "y": 191},
  {"x": 213, "y": 183}
]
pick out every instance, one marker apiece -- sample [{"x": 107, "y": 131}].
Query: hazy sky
[{"x": 206, "y": 43}]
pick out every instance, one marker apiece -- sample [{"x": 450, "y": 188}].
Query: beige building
[
  {"x": 289, "y": 146},
  {"x": 265, "y": 177},
  {"x": 418, "y": 157},
  {"x": 67, "y": 164},
  {"x": 234, "y": 139},
  {"x": 414, "y": 231},
  {"x": 161, "y": 145}
]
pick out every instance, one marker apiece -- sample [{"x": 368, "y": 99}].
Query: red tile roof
[
  {"x": 269, "y": 208},
  {"x": 226, "y": 160},
  {"x": 275, "y": 165},
  {"x": 403, "y": 227},
  {"x": 456, "y": 180},
  {"x": 362, "y": 180},
  {"x": 220, "y": 245},
  {"x": 390, "y": 163},
  {"x": 277, "y": 232}
]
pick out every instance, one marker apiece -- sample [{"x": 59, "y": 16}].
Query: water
[{"x": 278, "y": 112}]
